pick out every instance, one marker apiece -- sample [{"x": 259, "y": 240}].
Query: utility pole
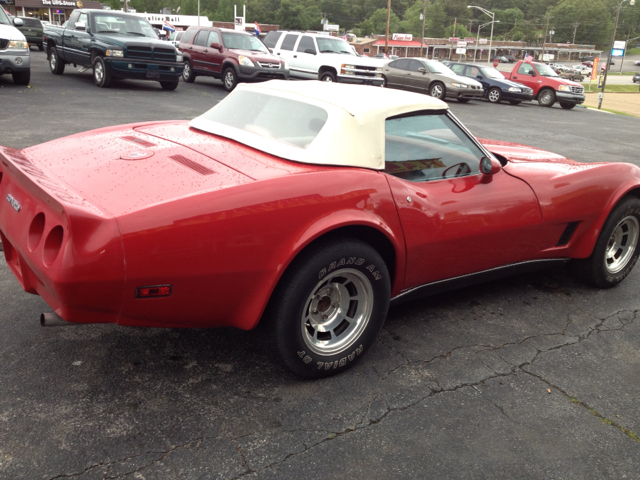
[
  {"x": 613, "y": 39},
  {"x": 455, "y": 22},
  {"x": 424, "y": 19},
  {"x": 575, "y": 29},
  {"x": 548, "y": 17},
  {"x": 386, "y": 38}
]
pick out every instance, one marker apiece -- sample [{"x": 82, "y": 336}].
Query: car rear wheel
[
  {"x": 330, "y": 77},
  {"x": 437, "y": 90},
  {"x": 384, "y": 81},
  {"x": 616, "y": 251},
  {"x": 547, "y": 98},
  {"x": 494, "y": 95},
  {"x": 21, "y": 78},
  {"x": 328, "y": 308},
  {"x": 188, "y": 74},
  {"x": 229, "y": 79},
  {"x": 567, "y": 106},
  {"x": 169, "y": 85},
  {"x": 55, "y": 64},
  {"x": 101, "y": 75}
]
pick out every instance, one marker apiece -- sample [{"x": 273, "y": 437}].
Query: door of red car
[
  {"x": 456, "y": 220},
  {"x": 199, "y": 50},
  {"x": 214, "y": 56},
  {"x": 527, "y": 75}
]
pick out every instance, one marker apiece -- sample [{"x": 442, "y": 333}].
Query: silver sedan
[{"x": 431, "y": 77}]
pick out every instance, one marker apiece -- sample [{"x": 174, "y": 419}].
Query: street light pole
[
  {"x": 424, "y": 19},
  {"x": 475, "y": 53},
  {"x": 493, "y": 20},
  {"x": 613, "y": 39}
]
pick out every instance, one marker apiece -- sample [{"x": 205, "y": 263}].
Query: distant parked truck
[
  {"x": 116, "y": 45},
  {"x": 548, "y": 87}
]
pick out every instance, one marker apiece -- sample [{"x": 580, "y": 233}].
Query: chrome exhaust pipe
[{"x": 53, "y": 320}]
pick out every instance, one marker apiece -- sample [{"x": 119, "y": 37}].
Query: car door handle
[
  {"x": 205, "y": 51},
  {"x": 515, "y": 77},
  {"x": 295, "y": 56}
]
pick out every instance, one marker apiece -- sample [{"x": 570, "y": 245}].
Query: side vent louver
[
  {"x": 195, "y": 166},
  {"x": 567, "y": 234}
]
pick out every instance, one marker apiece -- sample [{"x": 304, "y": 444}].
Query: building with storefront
[{"x": 54, "y": 11}]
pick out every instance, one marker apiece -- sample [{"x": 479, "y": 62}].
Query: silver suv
[
  {"x": 314, "y": 56},
  {"x": 14, "y": 50}
]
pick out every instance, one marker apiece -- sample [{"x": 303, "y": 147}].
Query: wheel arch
[
  {"x": 226, "y": 64},
  {"x": 327, "y": 68},
  {"x": 586, "y": 243}
]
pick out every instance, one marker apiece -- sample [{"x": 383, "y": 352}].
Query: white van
[
  {"x": 14, "y": 50},
  {"x": 314, "y": 56}
]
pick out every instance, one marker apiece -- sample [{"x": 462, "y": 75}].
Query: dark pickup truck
[{"x": 116, "y": 45}]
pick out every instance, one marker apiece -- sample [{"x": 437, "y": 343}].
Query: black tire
[
  {"x": 547, "y": 98},
  {"x": 494, "y": 95},
  {"x": 229, "y": 79},
  {"x": 188, "y": 75},
  {"x": 567, "y": 106},
  {"x": 515, "y": 102},
  {"x": 40, "y": 47},
  {"x": 438, "y": 90},
  {"x": 384, "y": 81},
  {"x": 21, "y": 78},
  {"x": 55, "y": 64},
  {"x": 101, "y": 76},
  {"x": 330, "y": 77},
  {"x": 169, "y": 85},
  {"x": 464, "y": 100},
  {"x": 616, "y": 250},
  {"x": 341, "y": 287}
]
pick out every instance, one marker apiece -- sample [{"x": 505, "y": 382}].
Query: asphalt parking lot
[{"x": 533, "y": 377}]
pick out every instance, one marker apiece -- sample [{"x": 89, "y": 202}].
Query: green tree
[
  {"x": 411, "y": 22},
  {"x": 593, "y": 18},
  {"x": 376, "y": 24},
  {"x": 436, "y": 19}
]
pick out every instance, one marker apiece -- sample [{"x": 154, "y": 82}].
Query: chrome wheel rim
[
  {"x": 53, "y": 60},
  {"x": 546, "y": 98},
  {"x": 436, "y": 92},
  {"x": 98, "y": 72},
  {"x": 622, "y": 244},
  {"x": 185, "y": 73},
  {"x": 228, "y": 79},
  {"x": 327, "y": 78},
  {"x": 337, "y": 312},
  {"x": 494, "y": 96}
]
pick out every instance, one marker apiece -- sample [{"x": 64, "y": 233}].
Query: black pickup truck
[{"x": 116, "y": 45}]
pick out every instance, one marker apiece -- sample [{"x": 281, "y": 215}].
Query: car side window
[
  {"x": 525, "y": 69},
  {"x": 306, "y": 43},
  {"x": 201, "y": 38},
  {"x": 429, "y": 146},
  {"x": 474, "y": 71},
  {"x": 188, "y": 35},
  {"x": 71, "y": 23},
  {"x": 271, "y": 39},
  {"x": 457, "y": 68},
  {"x": 213, "y": 38},
  {"x": 402, "y": 64},
  {"x": 83, "y": 20},
  {"x": 289, "y": 41},
  {"x": 415, "y": 66}
]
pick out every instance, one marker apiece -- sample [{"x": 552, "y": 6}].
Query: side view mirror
[
  {"x": 18, "y": 22},
  {"x": 422, "y": 69},
  {"x": 490, "y": 166},
  {"x": 310, "y": 50},
  {"x": 479, "y": 76},
  {"x": 81, "y": 26},
  {"x": 215, "y": 45}
]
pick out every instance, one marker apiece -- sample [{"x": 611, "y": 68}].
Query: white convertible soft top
[{"x": 349, "y": 131}]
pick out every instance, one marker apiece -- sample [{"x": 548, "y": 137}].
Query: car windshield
[
  {"x": 491, "y": 73},
  {"x": 126, "y": 25},
  {"x": 4, "y": 20},
  {"x": 333, "y": 45},
  {"x": 545, "y": 70},
  {"x": 286, "y": 121},
  {"x": 437, "y": 67},
  {"x": 243, "y": 42}
]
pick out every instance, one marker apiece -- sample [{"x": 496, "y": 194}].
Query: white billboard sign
[
  {"x": 462, "y": 44},
  {"x": 403, "y": 37},
  {"x": 461, "y": 51}
]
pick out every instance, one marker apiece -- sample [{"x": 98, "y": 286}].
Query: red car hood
[
  {"x": 515, "y": 152},
  {"x": 130, "y": 167}
]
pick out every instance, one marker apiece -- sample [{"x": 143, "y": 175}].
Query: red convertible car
[{"x": 306, "y": 206}]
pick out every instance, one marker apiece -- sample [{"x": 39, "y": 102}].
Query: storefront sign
[
  {"x": 58, "y": 3},
  {"x": 462, "y": 44},
  {"x": 470, "y": 40},
  {"x": 482, "y": 41},
  {"x": 402, "y": 37}
]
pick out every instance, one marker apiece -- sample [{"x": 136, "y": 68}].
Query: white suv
[
  {"x": 14, "y": 50},
  {"x": 314, "y": 56}
]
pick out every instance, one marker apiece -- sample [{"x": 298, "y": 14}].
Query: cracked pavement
[{"x": 534, "y": 376}]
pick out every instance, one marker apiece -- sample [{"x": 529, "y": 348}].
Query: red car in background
[
  {"x": 229, "y": 55},
  {"x": 309, "y": 212}
]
